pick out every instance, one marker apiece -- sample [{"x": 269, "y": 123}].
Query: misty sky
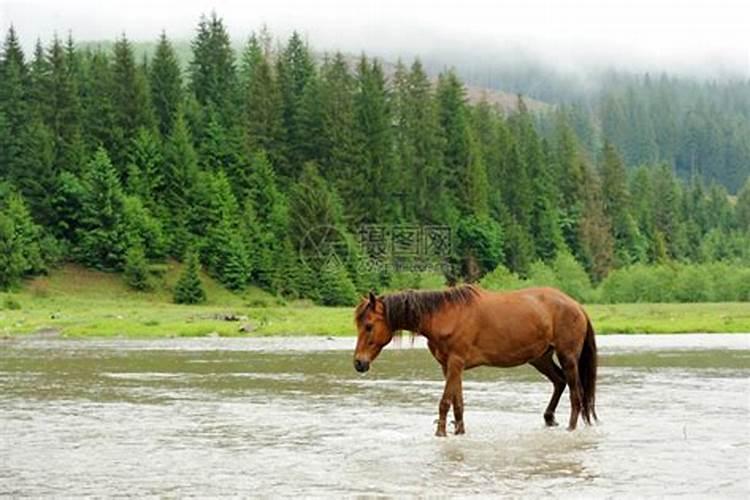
[{"x": 691, "y": 35}]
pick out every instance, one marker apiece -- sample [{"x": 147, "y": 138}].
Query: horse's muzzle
[{"x": 361, "y": 366}]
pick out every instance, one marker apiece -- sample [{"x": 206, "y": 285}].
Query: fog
[{"x": 702, "y": 37}]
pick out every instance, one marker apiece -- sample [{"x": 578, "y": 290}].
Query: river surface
[{"x": 248, "y": 417}]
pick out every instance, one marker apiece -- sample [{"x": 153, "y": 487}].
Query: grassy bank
[{"x": 74, "y": 302}]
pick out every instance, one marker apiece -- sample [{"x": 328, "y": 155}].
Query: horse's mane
[{"x": 405, "y": 310}]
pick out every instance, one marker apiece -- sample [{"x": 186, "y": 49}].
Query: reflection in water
[{"x": 291, "y": 417}]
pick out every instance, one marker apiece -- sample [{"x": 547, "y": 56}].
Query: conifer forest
[{"x": 323, "y": 175}]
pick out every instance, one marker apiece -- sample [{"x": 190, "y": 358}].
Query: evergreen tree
[
  {"x": 343, "y": 154},
  {"x": 12, "y": 263},
  {"x": 336, "y": 288},
  {"x": 21, "y": 238},
  {"x": 543, "y": 223},
  {"x": 212, "y": 73},
  {"x": 26, "y": 144},
  {"x": 145, "y": 167},
  {"x": 189, "y": 289},
  {"x": 479, "y": 246},
  {"x": 165, "y": 85},
  {"x": 570, "y": 180},
  {"x": 224, "y": 248},
  {"x": 629, "y": 247},
  {"x": 313, "y": 144},
  {"x": 64, "y": 119},
  {"x": 452, "y": 113},
  {"x": 597, "y": 244},
  {"x": 374, "y": 176},
  {"x": 262, "y": 104},
  {"x": 267, "y": 221},
  {"x": 294, "y": 67},
  {"x": 742, "y": 208},
  {"x": 135, "y": 271},
  {"x": 419, "y": 146},
  {"x": 179, "y": 179},
  {"x": 130, "y": 99},
  {"x": 99, "y": 122},
  {"x": 100, "y": 239}
]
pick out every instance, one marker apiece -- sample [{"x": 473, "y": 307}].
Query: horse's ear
[{"x": 373, "y": 299}]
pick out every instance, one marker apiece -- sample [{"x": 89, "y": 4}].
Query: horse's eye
[{"x": 368, "y": 328}]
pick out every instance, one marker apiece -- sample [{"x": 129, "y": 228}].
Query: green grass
[{"x": 75, "y": 302}]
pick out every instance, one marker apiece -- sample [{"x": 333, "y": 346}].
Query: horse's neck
[
  {"x": 417, "y": 326},
  {"x": 407, "y": 324}
]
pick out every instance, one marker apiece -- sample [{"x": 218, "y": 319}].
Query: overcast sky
[{"x": 708, "y": 35}]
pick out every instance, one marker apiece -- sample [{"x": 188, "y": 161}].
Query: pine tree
[
  {"x": 130, "y": 99},
  {"x": 99, "y": 119},
  {"x": 597, "y": 244},
  {"x": 224, "y": 249},
  {"x": 419, "y": 146},
  {"x": 100, "y": 238},
  {"x": 267, "y": 223},
  {"x": 135, "y": 271},
  {"x": 40, "y": 84},
  {"x": 335, "y": 285},
  {"x": 629, "y": 246},
  {"x": 374, "y": 175},
  {"x": 12, "y": 263},
  {"x": 145, "y": 168},
  {"x": 490, "y": 144},
  {"x": 742, "y": 208},
  {"x": 179, "y": 179},
  {"x": 479, "y": 246},
  {"x": 189, "y": 289},
  {"x": 165, "y": 85},
  {"x": 64, "y": 120},
  {"x": 313, "y": 144},
  {"x": 452, "y": 113},
  {"x": 26, "y": 235},
  {"x": 519, "y": 247},
  {"x": 569, "y": 164},
  {"x": 543, "y": 223},
  {"x": 26, "y": 144},
  {"x": 140, "y": 228},
  {"x": 262, "y": 104},
  {"x": 294, "y": 67},
  {"x": 212, "y": 73}
]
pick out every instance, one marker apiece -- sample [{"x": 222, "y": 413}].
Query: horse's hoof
[
  {"x": 441, "y": 433},
  {"x": 571, "y": 428},
  {"x": 550, "y": 422},
  {"x": 459, "y": 428}
]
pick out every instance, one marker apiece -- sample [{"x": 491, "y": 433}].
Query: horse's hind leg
[
  {"x": 546, "y": 365},
  {"x": 570, "y": 368}
]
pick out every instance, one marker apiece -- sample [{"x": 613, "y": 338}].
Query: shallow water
[{"x": 291, "y": 417}]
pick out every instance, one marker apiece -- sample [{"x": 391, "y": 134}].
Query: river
[{"x": 290, "y": 416}]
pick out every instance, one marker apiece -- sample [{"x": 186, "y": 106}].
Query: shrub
[
  {"x": 540, "y": 274},
  {"x": 189, "y": 289},
  {"x": 136, "y": 272},
  {"x": 501, "y": 278},
  {"x": 335, "y": 286},
  {"x": 572, "y": 277}
]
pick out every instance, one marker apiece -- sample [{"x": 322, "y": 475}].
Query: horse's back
[{"x": 516, "y": 327}]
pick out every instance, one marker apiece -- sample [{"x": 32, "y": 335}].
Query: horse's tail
[{"x": 587, "y": 373}]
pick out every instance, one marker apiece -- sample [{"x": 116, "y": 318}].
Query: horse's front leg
[{"x": 451, "y": 394}]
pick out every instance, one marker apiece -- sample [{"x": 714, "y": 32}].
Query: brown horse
[{"x": 467, "y": 327}]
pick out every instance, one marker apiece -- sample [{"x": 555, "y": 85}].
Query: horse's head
[{"x": 373, "y": 332}]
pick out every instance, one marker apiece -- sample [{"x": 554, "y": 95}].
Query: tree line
[{"x": 117, "y": 162}]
